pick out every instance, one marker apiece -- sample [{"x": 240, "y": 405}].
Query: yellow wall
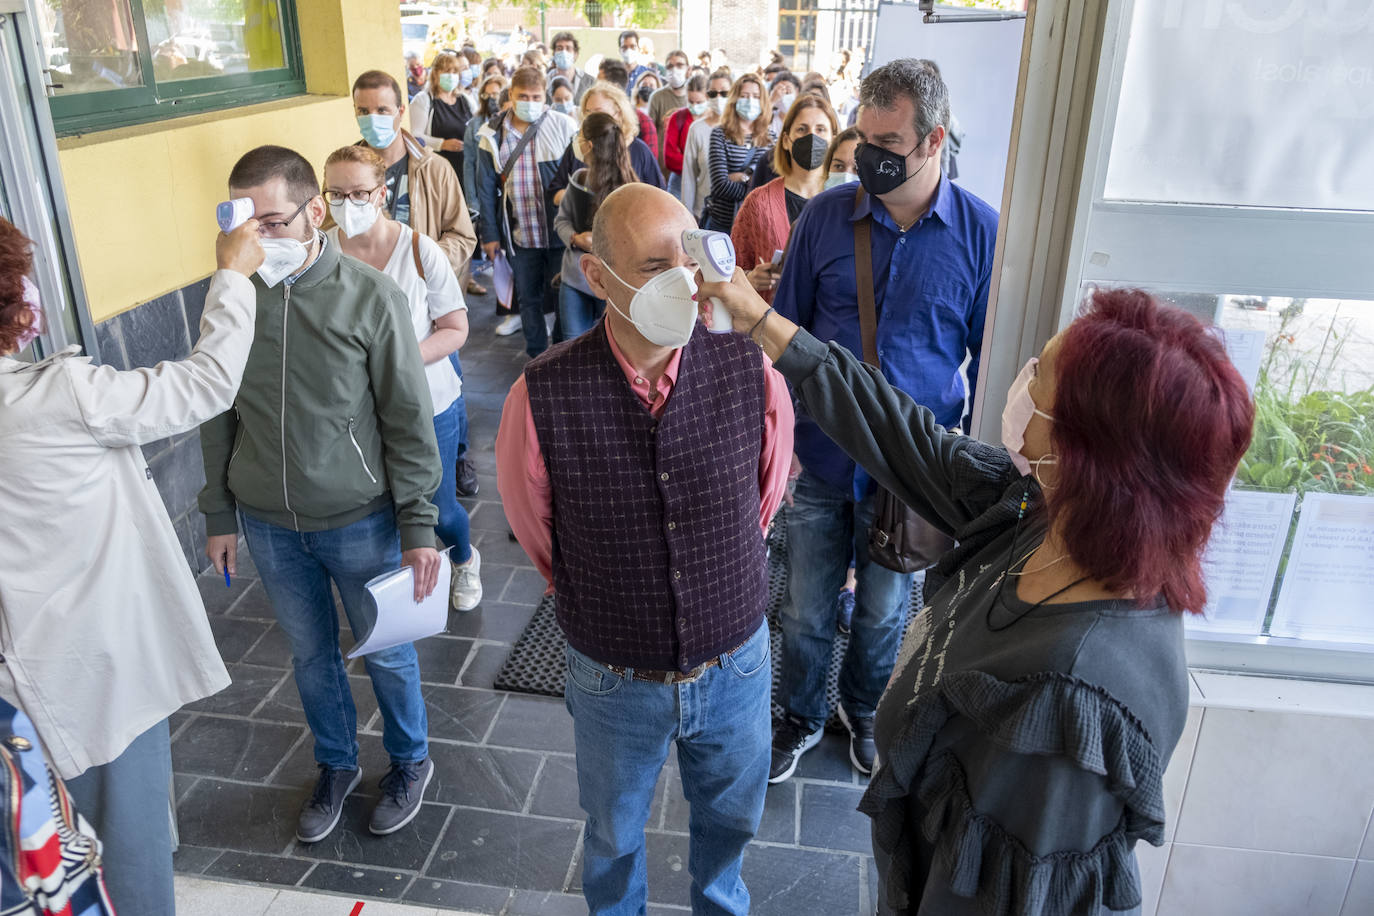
[{"x": 142, "y": 198}]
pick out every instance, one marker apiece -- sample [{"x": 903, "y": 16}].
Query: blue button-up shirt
[{"x": 931, "y": 298}]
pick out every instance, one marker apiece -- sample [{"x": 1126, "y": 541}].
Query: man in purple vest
[{"x": 639, "y": 465}]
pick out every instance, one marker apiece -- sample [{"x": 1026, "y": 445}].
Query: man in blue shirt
[{"x": 932, "y": 251}]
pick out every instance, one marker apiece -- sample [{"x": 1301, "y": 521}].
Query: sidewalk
[
  {"x": 500, "y": 832},
  {"x": 199, "y": 897}
]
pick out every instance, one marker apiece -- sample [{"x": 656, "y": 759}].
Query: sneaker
[
  {"x": 467, "y": 478},
  {"x": 508, "y": 326},
  {"x": 403, "y": 787},
  {"x": 791, "y": 739},
  {"x": 321, "y": 813},
  {"x": 844, "y": 610},
  {"x": 549, "y": 320},
  {"x": 466, "y": 591},
  {"x": 861, "y": 748}
]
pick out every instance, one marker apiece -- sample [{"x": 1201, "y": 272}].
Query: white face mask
[
  {"x": 353, "y": 219},
  {"x": 677, "y": 77},
  {"x": 1016, "y": 417},
  {"x": 284, "y": 257},
  {"x": 835, "y": 179},
  {"x": 663, "y": 309},
  {"x": 718, "y": 104}
]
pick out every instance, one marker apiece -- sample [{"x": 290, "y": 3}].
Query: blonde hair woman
[
  {"x": 737, "y": 145},
  {"x": 609, "y": 99}
]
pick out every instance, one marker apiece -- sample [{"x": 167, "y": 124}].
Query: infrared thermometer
[
  {"x": 234, "y": 213},
  {"x": 715, "y": 254}
]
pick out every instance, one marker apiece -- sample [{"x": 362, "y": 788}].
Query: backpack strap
[{"x": 415, "y": 252}]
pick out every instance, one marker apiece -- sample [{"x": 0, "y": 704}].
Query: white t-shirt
[{"x": 432, "y": 298}]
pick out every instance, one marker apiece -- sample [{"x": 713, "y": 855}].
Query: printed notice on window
[
  {"x": 1242, "y": 560},
  {"x": 1328, "y": 588}
]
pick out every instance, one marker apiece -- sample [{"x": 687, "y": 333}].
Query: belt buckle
[{"x": 669, "y": 678}]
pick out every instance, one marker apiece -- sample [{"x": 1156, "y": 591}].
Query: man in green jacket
[{"x": 329, "y": 460}]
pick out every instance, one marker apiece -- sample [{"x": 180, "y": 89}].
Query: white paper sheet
[
  {"x": 1242, "y": 560},
  {"x": 1328, "y": 587},
  {"x": 396, "y": 618},
  {"x": 503, "y": 279},
  {"x": 1246, "y": 349}
]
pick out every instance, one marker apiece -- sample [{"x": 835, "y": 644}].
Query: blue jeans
[
  {"x": 675, "y": 184},
  {"x": 125, "y": 800},
  {"x": 825, "y": 528},
  {"x": 296, "y": 569},
  {"x": 534, "y": 270},
  {"x": 453, "y": 527},
  {"x": 462, "y": 410},
  {"x": 623, "y": 729},
  {"x": 577, "y": 311}
]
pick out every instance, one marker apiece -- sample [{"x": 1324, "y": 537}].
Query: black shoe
[
  {"x": 861, "y": 748},
  {"x": 844, "y": 610},
  {"x": 467, "y": 478},
  {"x": 791, "y": 738},
  {"x": 403, "y": 788},
  {"x": 320, "y": 815}
]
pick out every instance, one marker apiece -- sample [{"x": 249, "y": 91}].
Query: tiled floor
[{"x": 500, "y": 832}]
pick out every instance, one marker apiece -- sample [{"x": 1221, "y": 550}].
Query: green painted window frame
[{"x": 91, "y": 111}]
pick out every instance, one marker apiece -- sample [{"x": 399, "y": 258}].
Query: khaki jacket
[
  {"x": 102, "y": 629},
  {"x": 438, "y": 208}
]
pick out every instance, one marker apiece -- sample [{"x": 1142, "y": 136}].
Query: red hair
[
  {"x": 16, "y": 260},
  {"x": 1150, "y": 421}
]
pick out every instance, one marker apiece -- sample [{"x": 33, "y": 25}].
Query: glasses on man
[
  {"x": 358, "y": 197},
  {"x": 717, "y": 93},
  {"x": 278, "y": 226}
]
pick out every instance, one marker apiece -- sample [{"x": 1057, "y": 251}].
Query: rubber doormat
[{"x": 537, "y": 664}]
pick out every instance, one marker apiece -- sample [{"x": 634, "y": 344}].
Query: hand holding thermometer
[
  {"x": 234, "y": 213},
  {"x": 715, "y": 254}
]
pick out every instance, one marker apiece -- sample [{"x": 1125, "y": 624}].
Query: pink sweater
[{"x": 761, "y": 227}]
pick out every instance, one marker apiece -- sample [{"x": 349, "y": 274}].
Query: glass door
[{"x": 31, "y": 194}]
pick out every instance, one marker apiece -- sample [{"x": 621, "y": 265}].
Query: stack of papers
[{"x": 394, "y": 616}]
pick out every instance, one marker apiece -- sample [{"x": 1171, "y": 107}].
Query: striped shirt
[
  {"x": 524, "y": 193},
  {"x": 726, "y": 195}
]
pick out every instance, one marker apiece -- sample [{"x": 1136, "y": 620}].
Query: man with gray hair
[
  {"x": 639, "y": 465},
  {"x": 930, "y": 245}
]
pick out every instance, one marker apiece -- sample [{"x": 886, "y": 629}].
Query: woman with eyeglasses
[
  {"x": 354, "y": 188},
  {"x": 696, "y": 148}
]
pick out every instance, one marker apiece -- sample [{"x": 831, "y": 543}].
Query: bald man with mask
[{"x": 639, "y": 465}]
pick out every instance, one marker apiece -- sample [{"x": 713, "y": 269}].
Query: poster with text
[
  {"x": 1328, "y": 587},
  {"x": 1242, "y": 560}
]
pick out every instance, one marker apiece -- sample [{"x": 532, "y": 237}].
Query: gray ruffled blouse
[{"x": 1021, "y": 751}]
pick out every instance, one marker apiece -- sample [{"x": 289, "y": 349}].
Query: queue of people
[{"x": 640, "y": 462}]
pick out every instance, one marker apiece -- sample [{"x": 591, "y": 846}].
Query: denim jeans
[
  {"x": 453, "y": 528},
  {"x": 825, "y": 528},
  {"x": 577, "y": 311},
  {"x": 623, "y": 729},
  {"x": 462, "y": 410},
  {"x": 534, "y": 270},
  {"x": 125, "y": 801},
  {"x": 296, "y": 569},
  {"x": 675, "y": 184}
]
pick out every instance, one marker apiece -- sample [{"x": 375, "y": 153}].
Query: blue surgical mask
[
  {"x": 563, "y": 60},
  {"x": 449, "y": 82},
  {"x": 563, "y": 107},
  {"x": 378, "y": 130},
  {"x": 748, "y": 109},
  {"x": 529, "y": 111},
  {"x": 697, "y": 109},
  {"x": 835, "y": 179},
  {"x": 465, "y": 78}
]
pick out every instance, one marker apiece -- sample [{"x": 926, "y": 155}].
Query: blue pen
[{"x": 226, "y": 578}]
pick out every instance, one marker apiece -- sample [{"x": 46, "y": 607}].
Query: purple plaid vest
[{"x": 658, "y": 560}]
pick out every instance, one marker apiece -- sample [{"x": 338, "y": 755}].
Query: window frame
[{"x": 84, "y": 112}]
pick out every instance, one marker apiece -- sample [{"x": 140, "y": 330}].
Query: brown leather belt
[{"x": 671, "y": 677}]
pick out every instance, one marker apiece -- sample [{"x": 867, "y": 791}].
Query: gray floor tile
[
  {"x": 460, "y": 713},
  {"x": 779, "y": 821},
  {"x": 249, "y": 685},
  {"x": 482, "y": 777},
  {"x": 666, "y": 859},
  {"x": 526, "y": 587},
  {"x": 788, "y": 882},
  {"x": 830, "y": 818},
  {"x": 217, "y": 598},
  {"x": 494, "y": 620},
  {"x": 362, "y": 882},
  {"x": 556, "y": 793},
  {"x": 353, "y": 844},
  {"x": 234, "y": 637},
  {"x": 193, "y": 860},
  {"x": 253, "y": 605},
  {"x": 232, "y": 748},
  {"x": 243, "y": 866},
  {"x": 272, "y": 650},
  {"x": 300, "y": 770},
  {"x": 285, "y": 704},
  {"x": 441, "y": 658},
  {"x": 828, "y": 760},
  {"x": 484, "y": 664},
  {"x": 539, "y": 723},
  {"x": 539, "y": 903},
  {"x": 502, "y": 551},
  {"x": 505, "y": 850},
  {"x": 472, "y": 898},
  {"x": 231, "y": 815}
]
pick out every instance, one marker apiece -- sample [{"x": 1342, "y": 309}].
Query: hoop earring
[{"x": 1035, "y": 470}]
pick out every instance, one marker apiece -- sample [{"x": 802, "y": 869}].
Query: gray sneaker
[
  {"x": 403, "y": 788},
  {"x": 321, "y": 812}
]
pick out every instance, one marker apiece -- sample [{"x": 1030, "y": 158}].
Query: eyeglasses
[
  {"x": 717, "y": 93},
  {"x": 278, "y": 226},
  {"x": 359, "y": 197}
]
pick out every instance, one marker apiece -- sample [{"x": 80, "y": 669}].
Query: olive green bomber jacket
[{"x": 333, "y": 420}]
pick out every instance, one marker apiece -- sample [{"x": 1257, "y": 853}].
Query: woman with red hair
[
  {"x": 103, "y": 630},
  {"x": 1039, "y": 694}
]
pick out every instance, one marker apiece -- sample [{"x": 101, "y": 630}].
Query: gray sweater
[{"x": 1020, "y": 760}]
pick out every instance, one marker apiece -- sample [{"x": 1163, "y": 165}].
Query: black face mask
[
  {"x": 644, "y": 93},
  {"x": 491, "y": 105},
  {"x": 883, "y": 171},
  {"x": 808, "y": 151}
]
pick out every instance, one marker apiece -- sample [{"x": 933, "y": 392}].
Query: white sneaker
[
  {"x": 508, "y": 326},
  {"x": 466, "y": 591},
  {"x": 549, "y": 319}
]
